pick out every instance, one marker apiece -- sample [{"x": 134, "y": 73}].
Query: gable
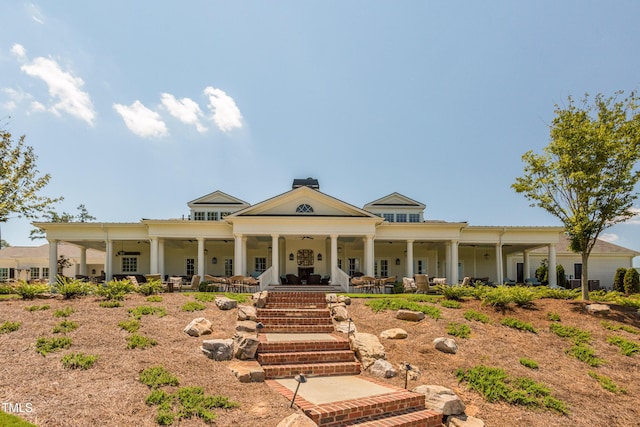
[
  {"x": 218, "y": 199},
  {"x": 394, "y": 200}
]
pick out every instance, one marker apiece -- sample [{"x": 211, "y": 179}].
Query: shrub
[
  {"x": 30, "y": 291},
  {"x": 144, "y": 310},
  {"x": 554, "y": 317},
  {"x": 518, "y": 324},
  {"x": 151, "y": 287},
  {"x": 70, "y": 288},
  {"x": 115, "y": 289},
  {"x": 528, "y": 363},
  {"x": 615, "y": 327},
  {"x": 576, "y": 334},
  {"x": 545, "y": 292},
  {"x": 618, "y": 279},
  {"x": 158, "y": 397},
  {"x": 632, "y": 281},
  {"x": 521, "y": 296},
  {"x": 140, "y": 341},
  {"x": 6, "y": 289},
  {"x": 65, "y": 326},
  {"x": 455, "y": 293},
  {"x": 193, "y": 306},
  {"x": 130, "y": 325},
  {"x": 477, "y": 316},
  {"x": 154, "y": 298},
  {"x": 64, "y": 312},
  {"x": 78, "y": 361},
  {"x": 628, "y": 348},
  {"x": 45, "y": 346},
  {"x": 157, "y": 376},
  {"x": 459, "y": 330},
  {"x": 606, "y": 383},
  {"x": 110, "y": 304},
  {"x": 584, "y": 353},
  {"x": 37, "y": 307},
  {"x": 448, "y": 303},
  {"x": 204, "y": 286},
  {"x": 381, "y": 304},
  {"x": 561, "y": 276},
  {"x": 498, "y": 297},
  {"x": 7, "y": 327}
]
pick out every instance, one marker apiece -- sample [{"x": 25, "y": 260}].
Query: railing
[
  {"x": 266, "y": 278},
  {"x": 342, "y": 280}
]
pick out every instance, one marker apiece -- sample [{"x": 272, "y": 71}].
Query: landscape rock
[
  {"x": 463, "y": 420},
  {"x": 367, "y": 348},
  {"x": 248, "y": 372},
  {"x": 218, "y": 349},
  {"x": 245, "y": 346},
  {"x": 225, "y": 303},
  {"x": 445, "y": 345},
  {"x": 441, "y": 399},
  {"x": 382, "y": 369},
  {"x": 394, "y": 334},
  {"x": 339, "y": 313},
  {"x": 246, "y": 326},
  {"x": 297, "y": 420},
  {"x": 598, "y": 309},
  {"x": 413, "y": 316},
  {"x": 413, "y": 373},
  {"x": 344, "y": 327},
  {"x": 198, "y": 326},
  {"x": 247, "y": 312},
  {"x": 331, "y": 298},
  {"x": 344, "y": 299},
  {"x": 260, "y": 299}
]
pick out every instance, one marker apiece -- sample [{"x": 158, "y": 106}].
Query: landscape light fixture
[
  {"x": 300, "y": 378},
  {"x": 407, "y": 368},
  {"x": 349, "y": 330}
]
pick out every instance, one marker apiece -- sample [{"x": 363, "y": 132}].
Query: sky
[{"x": 136, "y": 108}]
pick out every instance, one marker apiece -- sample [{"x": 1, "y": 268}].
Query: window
[
  {"x": 129, "y": 264},
  {"x": 4, "y": 274},
  {"x": 304, "y": 208},
  {"x": 190, "y": 266},
  {"x": 421, "y": 267},
  {"x": 354, "y": 266},
  {"x": 212, "y": 216},
  {"x": 305, "y": 257},
  {"x": 260, "y": 264},
  {"x": 228, "y": 267},
  {"x": 388, "y": 217},
  {"x": 34, "y": 273},
  {"x": 401, "y": 217},
  {"x": 198, "y": 216},
  {"x": 45, "y": 272},
  {"x": 414, "y": 217},
  {"x": 384, "y": 268},
  {"x": 340, "y": 263},
  {"x": 223, "y": 214}
]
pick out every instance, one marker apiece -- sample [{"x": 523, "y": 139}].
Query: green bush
[
  {"x": 204, "y": 286},
  {"x": 110, "y": 304},
  {"x": 382, "y": 304},
  {"x": 140, "y": 341},
  {"x": 628, "y": 348},
  {"x": 145, "y": 310},
  {"x": 64, "y": 312},
  {"x": 606, "y": 383},
  {"x": 30, "y": 291},
  {"x": 151, "y": 287},
  {"x": 455, "y": 292},
  {"x": 154, "y": 298},
  {"x": 6, "y": 289},
  {"x": 449, "y": 303},
  {"x": 157, "y": 376},
  {"x": 477, "y": 316},
  {"x": 518, "y": 324},
  {"x": 7, "y": 327},
  {"x": 576, "y": 334},
  {"x": 65, "y": 326},
  {"x": 614, "y": 327},
  {"x": 78, "y": 361},
  {"x": 130, "y": 325},
  {"x": 498, "y": 298},
  {"x": 528, "y": 363},
  {"x": 618, "y": 279},
  {"x": 567, "y": 294},
  {"x": 37, "y": 307},
  {"x": 632, "y": 281},
  {"x": 521, "y": 296},
  {"x": 70, "y": 288},
  {"x": 45, "y": 346},
  {"x": 193, "y": 306},
  {"x": 459, "y": 330},
  {"x": 561, "y": 276},
  {"x": 554, "y": 317},
  {"x": 115, "y": 289},
  {"x": 584, "y": 353}
]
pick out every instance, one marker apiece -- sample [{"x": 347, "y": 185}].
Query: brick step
[
  {"x": 292, "y": 312},
  {"x": 298, "y": 329},
  {"x": 422, "y": 418},
  {"x": 350, "y": 412},
  {"x": 290, "y": 358},
  {"x": 277, "y": 321},
  {"x": 295, "y": 305},
  {"x": 265, "y": 346},
  {"x": 313, "y": 369}
]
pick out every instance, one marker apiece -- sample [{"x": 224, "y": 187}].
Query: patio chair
[
  {"x": 369, "y": 284},
  {"x": 409, "y": 285},
  {"x": 251, "y": 283},
  {"x": 387, "y": 283},
  {"x": 357, "y": 283},
  {"x": 532, "y": 281},
  {"x": 422, "y": 283},
  {"x": 466, "y": 281},
  {"x": 195, "y": 283},
  {"x": 509, "y": 282},
  {"x": 439, "y": 281},
  {"x": 175, "y": 282},
  {"x": 236, "y": 283},
  {"x": 133, "y": 280}
]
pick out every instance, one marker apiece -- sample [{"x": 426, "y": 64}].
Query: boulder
[
  {"x": 297, "y": 420},
  {"x": 344, "y": 299},
  {"x": 441, "y": 399},
  {"x": 382, "y": 369},
  {"x": 331, "y": 298},
  {"x": 413, "y": 316},
  {"x": 246, "y": 326},
  {"x": 247, "y": 312},
  {"x": 339, "y": 313},
  {"x": 463, "y": 420},
  {"x": 260, "y": 299},
  {"x": 248, "y": 372},
  {"x": 367, "y": 347},
  {"x": 344, "y": 327},
  {"x": 446, "y": 345},
  {"x": 245, "y": 346},
  {"x": 598, "y": 309},
  {"x": 225, "y": 303},
  {"x": 393, "y": 334},
  {"x": 198, "y": 326},
  {"x": 218, "y": 349},
  {"x": 413, "y": 373}
]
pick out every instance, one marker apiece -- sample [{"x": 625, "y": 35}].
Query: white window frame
[
  {"x": 212, "y": 216},
  {"x": 228, "y": 267},
  {"x": 401, "y": 217},
  {"x": 190, "y": 266},
  {"x": 198, "y": 216},
  {"x": 45, "y": 272},
  {"x": 4, "y": 274},
  {"x": 414, "y": 217},
  {"x": 134, "y": 261},
  {"x": 353, "y": 266},
  {"x": 389, "y": 217},
  {"x": 260, "y": 260}
]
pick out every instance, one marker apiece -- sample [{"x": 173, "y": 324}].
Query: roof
[
  {"x": 306, "y": 182},
  {"x": 600, "y": 247},
  {"x": 42, "y": 251}
]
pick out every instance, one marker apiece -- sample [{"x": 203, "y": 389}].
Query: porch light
[
  {"x": 397, "y": 261},
  {"x": 206, "y": 251},
  {"x": 291, "y": 256},
  {"x": 319, "y": 257},
  {"x": 214, "y": 260},
  {"x": 486, "y": 255}
]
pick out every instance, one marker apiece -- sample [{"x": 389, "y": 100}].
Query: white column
[
  {"x": 334, "y": 258},
  {"x": 368, "y": 255},
  {"x": 237, "y": 254},
  {"x": 53, "y": 261},
  {"x": 161, "y": 258},
  {"x": 499, "y": 266},
  {"x": 454, "y": 262},
  {"x": 153, "y": 256},
  {"x": 275, "y": 259},
  {"x": 83, "y": 261},
  {"x": 244, "y": 256},
  {"x": 527, "y": 265},
  {"x": 553, "y": 277},
  {"x": 409, "y": 266},
  {"x": 201, "y": 259},
  {"x": 108, "y": 261},
  {"x": 447, "y": 261}
]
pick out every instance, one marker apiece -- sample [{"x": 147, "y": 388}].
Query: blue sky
[{"x": 136, "y": 108}]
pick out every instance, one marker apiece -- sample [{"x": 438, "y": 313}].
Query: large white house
[{"x": 304, "y": 231}]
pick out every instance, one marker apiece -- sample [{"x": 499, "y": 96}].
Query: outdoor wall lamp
[
  {"x": 486, "y": 255},
  {"x": 319, "y": 257},
  {"x": 206, "y": 251},
  {"x": 291, "y": 256},
  {"x": 214, "y": 260},
  {"x": 397, "y": 261}
]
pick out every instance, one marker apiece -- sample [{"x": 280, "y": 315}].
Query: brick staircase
[{"x": 327, "y": 354}]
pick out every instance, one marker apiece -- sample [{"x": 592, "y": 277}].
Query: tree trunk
[{"x": 585, "y": 276}]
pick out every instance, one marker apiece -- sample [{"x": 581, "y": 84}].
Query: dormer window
[{"x": 304, "y": 208}]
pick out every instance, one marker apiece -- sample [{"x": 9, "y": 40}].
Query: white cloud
[
  {"x": 16, "y": 97},
  {"x": 19, "y": 51},
  {"x": 609, "y": 237},
  {"x": 37, "y": 106},
  {"x": 635, "y": 219},
  {"x": 226, "y": 114},
  {"x": 141, "y": 120},
  {"x": 36, "y": 13},
  {"x": 186, "y": 110},
  {"x": 65, "y": 89}
]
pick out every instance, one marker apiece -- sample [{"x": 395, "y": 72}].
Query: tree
[
  {"x": 52, "y": 216},
  {"x": 618, "y": 279},
  {"x": 586, "y": 175},
  {"x": 19, "y": 180},
  {"x": 631, "y": 281}
]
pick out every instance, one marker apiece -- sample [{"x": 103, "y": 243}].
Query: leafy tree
[
  {"x": 586, "y": 175},
  {"x": 562, "y": 277},
  {"x": 4, "y": 244},
  {"x": 618, "y": 279},
  {"x": 51, "y": 216},
  {"x": 632, "y": 281},
  {"x": 20, "y": 182}
]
